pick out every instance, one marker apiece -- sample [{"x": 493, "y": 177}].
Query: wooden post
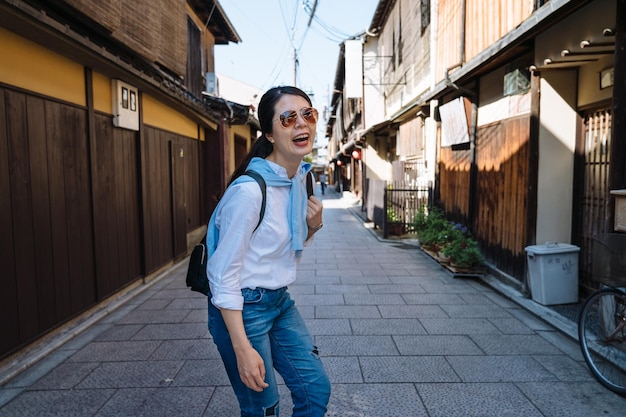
[{"x": 617, "y": 169}]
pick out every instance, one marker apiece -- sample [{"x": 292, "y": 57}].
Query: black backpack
[{"x": 197, "y": 279}]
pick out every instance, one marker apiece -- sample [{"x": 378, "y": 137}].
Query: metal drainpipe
[
  {"x": 462, "y": 36},
  {"x": 471, "y": 212}
]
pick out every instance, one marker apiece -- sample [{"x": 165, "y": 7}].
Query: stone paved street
[{"x": 398, "y": 335}]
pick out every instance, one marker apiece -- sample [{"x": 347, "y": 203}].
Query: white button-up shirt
[{"x": 244, "y": 259}]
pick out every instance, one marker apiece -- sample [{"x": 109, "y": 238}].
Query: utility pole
[
  {"x": 295, "y": 51},
  {"x": 295, "y": 66}
]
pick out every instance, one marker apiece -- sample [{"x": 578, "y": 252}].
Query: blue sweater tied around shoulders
[{"x": 297, "y": 202}]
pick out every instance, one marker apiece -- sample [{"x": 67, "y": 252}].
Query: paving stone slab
[
  {"x": 185, "y": 349},
  {"x": 386, "y": 326},
  {"x": 510, "y": 325},
  {"x": 172, "y": 331},
  {"x": 459, "y": 326},
  {"x": 65, "y": 403},
  {"x": 499, "y": 369},
  {"x": 475, "y": 311},
  {"x": 373, "y": 299},
  {"x": 411, "y": 311},
  {"x": 555, "y": 399},
  {"x": 328, "y": 326},
  {"x": 406, "y": 290},
  {"x": 436, "y": 345},
  {"x": 342, "y": 289},
  {"x": 329, "y": 312},
  {"x": 131, "y": 375},
  {"x": 65, "y": 376},
  {"x": 118, "y": 333},
  {"x": 157, "y": 402},
  {"x": 200, "y": 373},
  {"x": 423, "y": 298},
  {"x": 356, "y": 345},
  {"x": 531, "y": 344},
  {"x": 390, "y": 369},
  {"x": 318, "y": 300},
  {"x": 475, "y": 400},
  {"x": 343, "y": 369},
  {"x": 115, "y": 351},
  {"x": 379, "y": 400}
]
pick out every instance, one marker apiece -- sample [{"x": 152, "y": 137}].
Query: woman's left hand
[{"x": 314, "y": 210}]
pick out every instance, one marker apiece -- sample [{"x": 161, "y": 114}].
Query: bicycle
[{"x": 602, "y": 336}]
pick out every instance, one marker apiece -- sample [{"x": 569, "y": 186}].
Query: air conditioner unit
[
  {"x": 211, "y": 84},
  {"x": 516, "y": 80}
]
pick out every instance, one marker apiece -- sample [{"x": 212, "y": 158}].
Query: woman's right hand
[
  {"x": 249, "y": 363},
  {"x": 251, "y": 368}
]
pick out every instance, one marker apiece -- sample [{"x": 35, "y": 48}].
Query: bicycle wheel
[{"x": 601, "y": 334}]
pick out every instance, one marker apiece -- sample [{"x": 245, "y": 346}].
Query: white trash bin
[{"x": 553, "y": 273}]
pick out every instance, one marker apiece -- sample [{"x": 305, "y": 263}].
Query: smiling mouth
[{"x": 304, "y": 138}]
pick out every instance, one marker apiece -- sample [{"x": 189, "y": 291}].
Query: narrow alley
[{"x": 398, "y": 335}]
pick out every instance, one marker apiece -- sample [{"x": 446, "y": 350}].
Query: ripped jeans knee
[{"x": 272, "y": 411}]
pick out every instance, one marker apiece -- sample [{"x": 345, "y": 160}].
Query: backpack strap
[
  {"x": 309, "y": 184},
  {"x": 259, "y": 179}
]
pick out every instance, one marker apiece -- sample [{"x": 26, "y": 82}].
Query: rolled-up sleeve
[{"x": 236, "y": 219}]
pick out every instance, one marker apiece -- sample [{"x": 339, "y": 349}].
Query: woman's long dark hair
[{"x": 262, "y": 147}]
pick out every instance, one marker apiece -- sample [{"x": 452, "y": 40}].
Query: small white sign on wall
[
  {"x": 454, "y": 126},
  {"x": 125, "y": 105}
]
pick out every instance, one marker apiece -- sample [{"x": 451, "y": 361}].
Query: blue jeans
[{"x": 277, "y": 331}]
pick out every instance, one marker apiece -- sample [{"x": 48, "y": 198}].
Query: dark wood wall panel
[
  {"x": 211, "y": 173},
  {"x": 172, "y": 195},
  {"x": 193, "y": 192},
  {"x": 22, "y": 209},
  {"x": 116, "y": 208},
  {"x": 9, "y": 309},
  {"x": 104, "y": 217},
  {"x": 179, "y": 221},
  {"x": 60, "y": 237},
  {"x": 48, "y": 204},
  {"x": 131, "y": 221},
  {"x": 44, "y": 260},
  {"x": 66, "y": 129},
  {"x": 157, "y": 199},
  {"x": 81, "y": 213}
]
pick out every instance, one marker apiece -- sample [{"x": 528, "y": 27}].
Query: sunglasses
[{"x": 288, "y": 118}]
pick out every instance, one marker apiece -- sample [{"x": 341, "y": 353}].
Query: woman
[{"x": 254, "y": 323}]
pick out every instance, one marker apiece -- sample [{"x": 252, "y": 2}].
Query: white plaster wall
[
  {"x": 373, "y": 103},
  {"x": 557, "y": 139},
  {"x": 377, "y": 167}
]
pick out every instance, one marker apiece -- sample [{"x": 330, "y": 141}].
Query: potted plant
[
  {"x": 396, "y": 227},
  {"x": 463, "y": 250},
  {"x": 433, "y": 230}
]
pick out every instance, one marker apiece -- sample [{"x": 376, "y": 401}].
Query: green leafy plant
[
  {"x": 395, "y": 223},
  {"x": 433, "y": 230},
  {"x": 392, "y": 215},
  {"x": 420, "y": 220},
  {"x": 462, "y": 249}
]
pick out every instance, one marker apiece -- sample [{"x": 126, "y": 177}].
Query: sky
[{"x": 271, "y": 29}]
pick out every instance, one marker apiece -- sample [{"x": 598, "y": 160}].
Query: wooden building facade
[
  {"x": 521, "y": 105},
  {"x": 108, "y": 151}
]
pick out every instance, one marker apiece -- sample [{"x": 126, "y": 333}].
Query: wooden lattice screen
[{"x": 595, "y": 198}]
